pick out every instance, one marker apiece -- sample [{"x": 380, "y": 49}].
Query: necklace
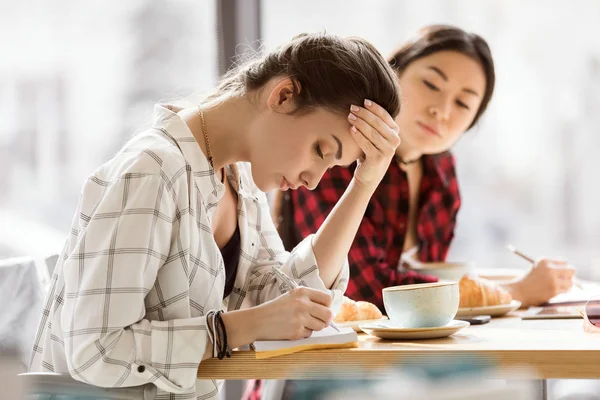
[
  {"x": 207, "y": 143},
  {"x": 407, "y": 162}
]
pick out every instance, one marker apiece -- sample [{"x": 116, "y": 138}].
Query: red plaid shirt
[
  {"x": 378, "y": 245},
  {"x": 376, "y": 250}
]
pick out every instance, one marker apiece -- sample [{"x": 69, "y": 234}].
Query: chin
[
  {"x": 262, "y": 182},
  {"x": 424, "y": 144}
]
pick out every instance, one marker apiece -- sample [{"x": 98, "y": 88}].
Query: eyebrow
[
  {"x": 439, "y": 72},
  {"x": 338, "y": 155},
  {"x": 445, "y": 78}
]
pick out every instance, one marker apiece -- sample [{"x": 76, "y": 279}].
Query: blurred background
[{"x": 77, "y": 79}]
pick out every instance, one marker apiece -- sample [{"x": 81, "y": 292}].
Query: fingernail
[
  {"x": 353, "y": 129},
  {"x": 368, "y": 103},
  {"x": 354, "y": 108},
  {"x": 352, "y": 116}
]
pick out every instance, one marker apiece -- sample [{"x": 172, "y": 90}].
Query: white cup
[
  {"x": 423, "y": 305},
  {"x": 451, "y": 271}
]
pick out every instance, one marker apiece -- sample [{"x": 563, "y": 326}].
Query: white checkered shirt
[{"x": 141, "y": 268}]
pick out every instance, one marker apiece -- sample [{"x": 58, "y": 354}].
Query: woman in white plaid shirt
[{"x": 144, "y": 262}]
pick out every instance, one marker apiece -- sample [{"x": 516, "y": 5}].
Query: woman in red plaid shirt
[{"x": 447, "y": 80}]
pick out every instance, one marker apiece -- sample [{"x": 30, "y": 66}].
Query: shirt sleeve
[
  {"x": 125, "y": 233},
  {"x": 300, "y": 265}
]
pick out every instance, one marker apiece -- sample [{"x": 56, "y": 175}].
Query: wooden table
[{"x": 549, "y": 348}]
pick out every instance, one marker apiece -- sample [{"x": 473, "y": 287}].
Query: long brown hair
[
  {"x": 327, "y": 71},
  {"x": 434, "y": 38}
]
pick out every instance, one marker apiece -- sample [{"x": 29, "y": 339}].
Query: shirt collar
[
  {"x": 441, "y": 165},
  {"x": 171, "y": 124}
]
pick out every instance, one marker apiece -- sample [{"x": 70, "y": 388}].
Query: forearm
[{"x": 334, "y": 238}]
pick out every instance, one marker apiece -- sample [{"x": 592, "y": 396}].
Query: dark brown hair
[
  {"x": 434, "y": 38},
  {"x": 327, "y": 71}
]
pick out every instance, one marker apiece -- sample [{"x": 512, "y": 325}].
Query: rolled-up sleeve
[
  {"x": 121, "y": 245},
  {"x": 300, "y": 265}
]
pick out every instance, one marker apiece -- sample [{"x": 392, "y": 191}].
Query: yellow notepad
[{"x": 327, "y": 338}]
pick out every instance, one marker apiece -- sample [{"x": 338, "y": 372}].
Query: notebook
[{"x": 327, "y": 338}]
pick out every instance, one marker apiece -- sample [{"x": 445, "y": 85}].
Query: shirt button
[
  {"x": 402, "y": 225},
  {"x": 141, "y": 369}
]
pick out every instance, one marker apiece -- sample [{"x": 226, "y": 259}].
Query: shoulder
[
  {"x": 151, "y": 153},
  {"x": 145, "y": 157}
]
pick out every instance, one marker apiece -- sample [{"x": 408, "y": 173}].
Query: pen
[
  {"x": 292, "y": 285},
  {"x": 531, "y": 260}
]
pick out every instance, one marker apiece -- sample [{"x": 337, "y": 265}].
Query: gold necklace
[{"x": 207, "y": 143}]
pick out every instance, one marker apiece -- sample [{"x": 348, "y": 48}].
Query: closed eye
[
  {"x": 431, "y": 86},
  {"x": 461, "y": 104},
  {"x": 318, "y": 151}
]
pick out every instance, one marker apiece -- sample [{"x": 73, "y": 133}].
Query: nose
[
  {"x": 312, "y": 179},
  {"x": 441, "y": 110}
]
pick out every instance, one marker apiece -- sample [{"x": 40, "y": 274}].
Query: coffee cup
[
  {"x": 423, "y": 305},
  {"x": 451, "y": 271}
]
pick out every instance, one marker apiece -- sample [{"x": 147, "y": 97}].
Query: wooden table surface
[{"x": 550, "y": 348}]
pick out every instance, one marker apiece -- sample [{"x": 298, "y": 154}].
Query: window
[
  {"x": 81, "y": 82},
  {"x": 528, "y": 172}
]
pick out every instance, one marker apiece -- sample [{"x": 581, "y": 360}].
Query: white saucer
[
  {"x": 493, "y": 311},
  {"x": 387, "y": 330},
  {"x": 355, "y": 324}
]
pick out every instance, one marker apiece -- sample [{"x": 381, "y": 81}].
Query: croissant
[
  {"x": 348, "y": 311},
  {"x": 357, "y": 311},
  {"x": 367, "y": 311},
  {"x": 479, "y": 292}
]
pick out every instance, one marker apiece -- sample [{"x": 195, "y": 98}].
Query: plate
[
  {"x": 355, "y": 324},
  {"x": 387, "y": 330},
  {"x": 492, "y": 311}
]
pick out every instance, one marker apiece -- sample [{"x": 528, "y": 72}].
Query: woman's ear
[{"x": 281, "y": 99}]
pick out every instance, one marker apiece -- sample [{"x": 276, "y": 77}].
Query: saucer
[
  {"x": 387, "y": 330},
  {"x": 492, "y": 311},
  {"x": 356, "y": 324}
]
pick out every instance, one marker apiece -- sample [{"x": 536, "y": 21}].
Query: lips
[
  {"x": 284, "y": 185},
  {"x": 429, "y": 129}
]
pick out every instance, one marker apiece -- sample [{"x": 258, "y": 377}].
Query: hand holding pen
[
  {"x": 546, "y": 279},
  {"x": 292, "y": 285}
]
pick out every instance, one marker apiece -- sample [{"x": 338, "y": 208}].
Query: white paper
[{"x": 324, "y": 336}]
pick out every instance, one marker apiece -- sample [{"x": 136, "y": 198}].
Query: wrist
[
  {"x": 242, "y": 326},
  {"x": 366, "y": 189},
  {"x": 516, "y": 291}
]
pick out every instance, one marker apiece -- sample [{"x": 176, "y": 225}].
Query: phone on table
[{"x": 477, "y": 320}]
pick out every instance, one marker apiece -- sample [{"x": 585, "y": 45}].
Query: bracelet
[
  {"x": 224, "y": 349},
  {"x": 218, "y": 334}
]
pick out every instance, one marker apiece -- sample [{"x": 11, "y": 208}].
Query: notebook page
[{"x": 318, "y": 339}]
